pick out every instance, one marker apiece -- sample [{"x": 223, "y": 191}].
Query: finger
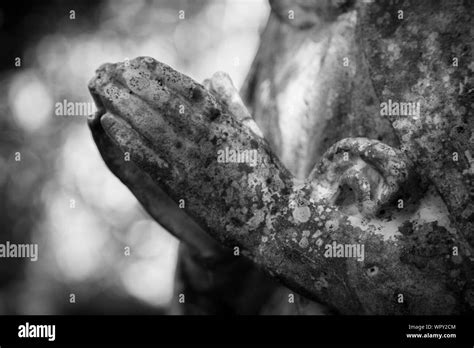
[
  {"x": 155, "y": 201},
  {"x": 171, "y": 120},
  {"x": 131, "y": 141},
  {"x": 391, "y": 162},
  {"x": 152, "y": 124},
  {"x": 164, "y": 88},
  {"x": 384, "y": 168},
  {"x": 126, "y": 100},
  {"x": 221, "y": 85}
]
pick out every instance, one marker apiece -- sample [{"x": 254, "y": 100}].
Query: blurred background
[{"x": 55, "y": 189}]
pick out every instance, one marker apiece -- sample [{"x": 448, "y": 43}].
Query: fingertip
[
  {"x": 207, "y": 84},
  {"x": 221, "y": 79}
]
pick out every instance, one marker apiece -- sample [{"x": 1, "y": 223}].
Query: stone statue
[{"x": 341, "y": 182}]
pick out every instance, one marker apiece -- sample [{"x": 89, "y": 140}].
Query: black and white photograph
[{"x": 227, "y": 163}]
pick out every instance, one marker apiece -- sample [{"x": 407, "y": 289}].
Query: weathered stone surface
[
  {"x": 173, "y": 128},
  {"x": 421, "y": 51}
]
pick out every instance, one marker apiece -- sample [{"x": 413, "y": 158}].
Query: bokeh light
[{"x": 86, "y": 215}]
